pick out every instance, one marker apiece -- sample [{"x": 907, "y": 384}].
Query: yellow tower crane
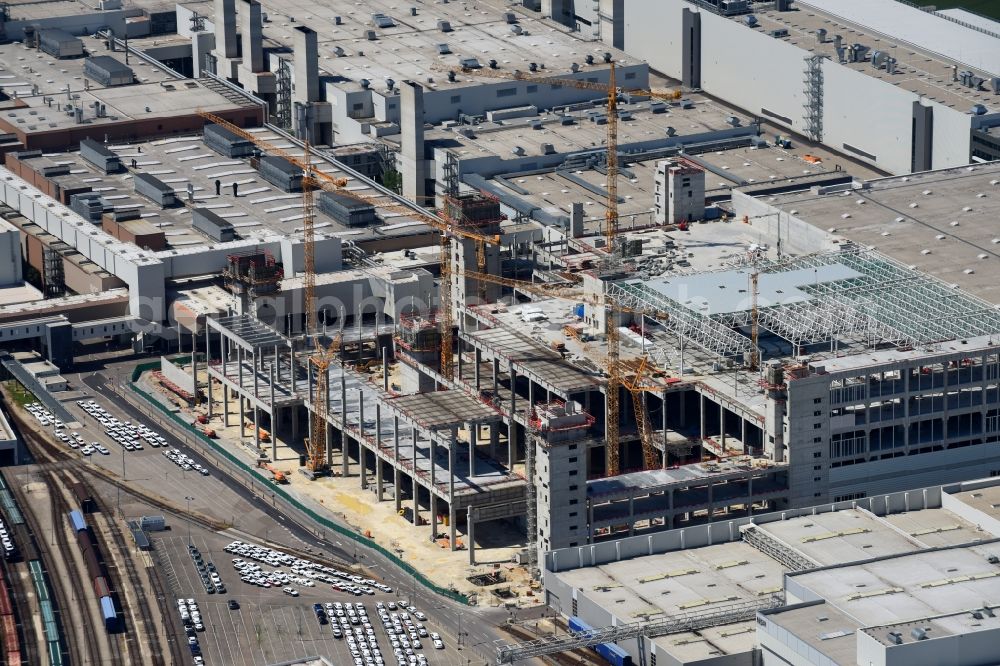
[
  {"x": 611, "y": 90},
  {"x": 633, "y": 382}
]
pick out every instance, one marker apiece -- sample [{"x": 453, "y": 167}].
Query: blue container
[
  {"x": 109, "y": 614},
  {"x": 609, "y": 651},
  {"x": 578, "y": 310},
  {"x": 576, "y": 624},
  {"x": 77, "y": 521}
]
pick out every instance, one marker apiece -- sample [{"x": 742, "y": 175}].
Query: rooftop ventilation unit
[
  {"x": 995, "y": 85},
  {"x": 567, "y": 120},
  {"x": 469, "y": 63},
  {"x": 978, "y": 110},
  {"x": 338, "y": 20},
  {"x": 365, "y": 83},
  {"x": 589, "y": 59},
  {"x": 733, "y": 121},
  {"x": 821, "y": 35},
  {"x": 532, "y": 66},
  {"x": 778, "y": 33},
  {"x": 451, "y": 76},
  {"x": 750, "y": 21},
  {"x": 575, "y": 67},
  {"x": 516, "y": 29},
  {"x": 493, "y": 64},
  {"x": 671, "y": 131},
  {"x": 382, "y": 21},
  {"x": 389, "y": 84},
  {"x": 518, "y": 150},
  {"x": 607, "y": 57},
  {"x": 548, "y": 149},
  {"x": 370, "y": 35},
  {"x": 894, "y": 637},
  {"x": 510, "y": 17},
  {"x": 444, "y": 49},
  {"x": 338, "y": 51},
  {"x": 444, "y": 26},
  {"x": 413, "y": 11}
]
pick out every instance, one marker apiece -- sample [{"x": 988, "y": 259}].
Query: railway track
[
  {"x": 81, "y": 637},
  {"x": 25, "y": 610},
  {"x": 62, "y": 470}
]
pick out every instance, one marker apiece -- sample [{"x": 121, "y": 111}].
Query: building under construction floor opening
[{"x": 250, "y": 275}]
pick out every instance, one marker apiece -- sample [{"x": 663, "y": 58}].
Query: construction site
[{"x": 511, "y": 298}]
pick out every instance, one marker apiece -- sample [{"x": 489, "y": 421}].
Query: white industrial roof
[
  {"x": 920, "y": 28},
  {"x": 972, "y": 18}
]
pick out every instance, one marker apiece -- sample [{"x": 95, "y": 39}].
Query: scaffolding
[
  {"x": 283, "y": 95},
  {"x": 53, "y": 277},
  {"x": 418, "y": 332},
  {"x": 473, "y": 210},
  {"x": 251, "y": 275},
  {"x": 813, "y": 82}
]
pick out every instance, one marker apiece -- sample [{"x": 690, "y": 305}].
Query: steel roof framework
[{"x": 888, "y": 302}]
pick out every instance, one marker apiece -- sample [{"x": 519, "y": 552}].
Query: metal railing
[{"x": 508, "y": 653}]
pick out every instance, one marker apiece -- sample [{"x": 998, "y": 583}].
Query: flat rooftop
[
  {"x": 918, "y": 68},
  {"x": 909, "y": 586},
  {"x": 261, "y": 209},
  {"x": 914, "y": 26},
  {"x": 939, "y": 222},
  {"x": 408, "y": 49},
  {"x": 40, "y": 81}
]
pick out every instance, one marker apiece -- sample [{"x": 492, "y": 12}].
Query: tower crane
[
  {"x": 611, "y": 90},
  {"x": 316, "y": 179},
  {"x": 635, "y": 384}
]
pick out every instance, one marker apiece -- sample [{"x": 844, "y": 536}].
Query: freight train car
[
  {"x": 611, "y": 653},
  {"x": 96, "y": 573}
]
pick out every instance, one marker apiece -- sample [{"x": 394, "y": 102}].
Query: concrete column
[
  {"x": 256, "y": 372},
  {"x": 433, "y": 497},
  {"x": 395, "y": 460},
  {"x": 306, "y": 65},
  {"x": 385, "y": 368},
  {"x": 416, "y": 493},
  {"x": 494, "y": 439},
  {"x": 722, "y": 429},
  {"x": 239, "y": 415},
  {"x": 225, "y": 28},
  {"x": 496, "y": 376},
  {"x": 470, "y": 536},
  {"x": 511, "y": 443},
  {"x": 274, "y": 419},
  {"x": 479, "y": 360},
  {"x": 208, "y": 377},
  {"x": 295, "y": 422},
  {"x": 513, "y": 392},
  {"x": 663, "y": 412},
  {"x": 252, "y": 33},
  {"x": 239, "y": 371},
  {"x": 451, "y": 486},
  {"x": 225, "y": 405},
  {"x": 411, "y": 125},
  {"x": 361, "y": 439},
  {"x": 344, "y": 463},
  {"x": 473, "y": 440},
  {"x": 256, "y": 428},
  {"x": 378, "y": 448}
]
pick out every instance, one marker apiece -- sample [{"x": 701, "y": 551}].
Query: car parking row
[
  {"x": 185, "y": 462},
  {"x": 130, "y": 436},
  {"x": 404, "y": 633},
  {"x": 207, "y": 571},
  {"x": 300, "y": 569},
  {"x": 191, "y": 619}
]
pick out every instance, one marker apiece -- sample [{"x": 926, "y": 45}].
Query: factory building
[
  {"x": 930, "y": 85},
  {"x": 901, "y": 577}
]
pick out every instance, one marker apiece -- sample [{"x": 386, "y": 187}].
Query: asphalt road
[{"x": 473, "y": 627}]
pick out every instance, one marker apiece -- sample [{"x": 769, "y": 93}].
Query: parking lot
[{"x": 269, "y": 625}]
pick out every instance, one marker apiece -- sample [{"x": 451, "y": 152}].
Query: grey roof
[{"x": 109, "y": 65}]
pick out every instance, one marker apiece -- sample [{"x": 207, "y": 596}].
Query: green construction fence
[{"x": 278, "y": 490}]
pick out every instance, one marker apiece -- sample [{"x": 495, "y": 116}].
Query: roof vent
[
  {"x": 548, "y": 149},
  {"x": 451, "y": 76},
  {"x": 821, "y": 35},
  {"x": 383, "y": 21},
  {"x": 444, "y": 49},
  {"x": 390, "y": 83},
  {"x": 493, "y": 64},
  {"x": 469, "y": 63},
  {"x": 370, "y": 35},
  {"x": 413, "y": 11},
  {"x": 510, "y": 17},
  {"x": 575, "y": 67},
  {"x": 338, "y": 20},
  {"x": 671, "y": 131},
  {"x": 894, "y": 637},
  {"x": 338, "y": 51},
  {"x": 607, "y": 56},
  {"x": 365, "y": 83},
  {"x": 518, "y": 150},
  {"x": 918, "y": 634},
  {"x": 444, "y": 26},
  {"x": 516, "y": 29},
  {"x": 533, "y": 67},
  {"x": 589, "y": 59}
]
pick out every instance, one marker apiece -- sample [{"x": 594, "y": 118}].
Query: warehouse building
[
  {"x": 900, "y": 576},
  {"x": 929, "y": 83}
]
